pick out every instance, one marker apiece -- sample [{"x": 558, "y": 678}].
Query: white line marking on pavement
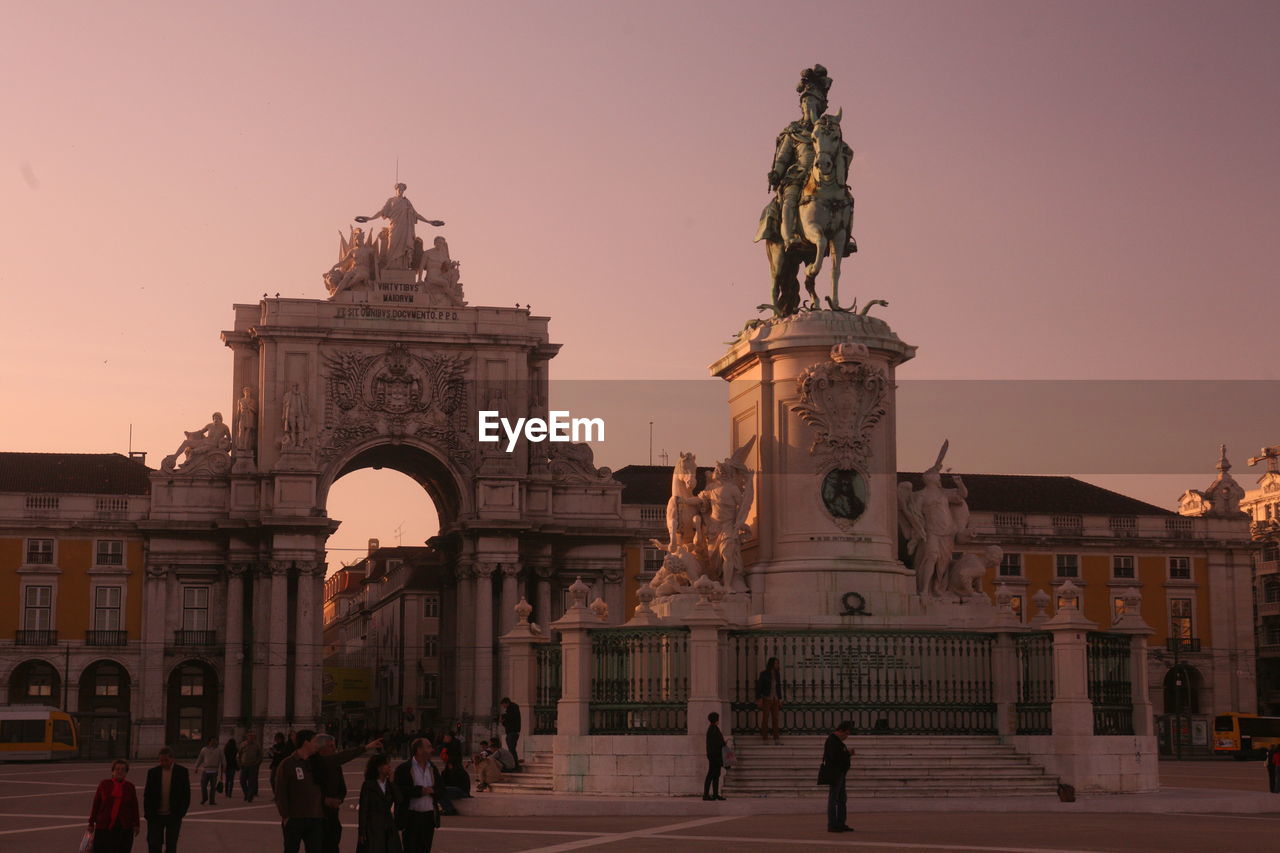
[
  {"x": 443, "y": 829},
  {"x": 849, "y": 842},
  {"x": 47, "y": 793},
  {"x": 637, "y": 833},
  {"x": 80, "y": 823}
]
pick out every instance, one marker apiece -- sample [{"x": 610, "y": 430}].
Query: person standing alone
[
  {"x": 165, "y": 800},
  {"x": 835, "y": 767},
  {"x": 230, "y": 765},
  {"x": 769, "y": 698},
  {"x": 511, "y": 723},
  {"x": 715, "y": 758}
]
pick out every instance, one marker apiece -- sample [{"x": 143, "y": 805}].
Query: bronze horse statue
[{"x": 826, "y": 217}]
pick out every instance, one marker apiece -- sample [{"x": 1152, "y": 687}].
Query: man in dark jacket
[
  {"x": 299, "y": 799},
  {"x": 334, "y": 785},
  {"x": 165, "y": 801},
  {"x": 769, "y": 698},
  {"x": 835, "y": 765},
  {"x": 511, "y": 722},
  {"x": 417, "y": 781}
]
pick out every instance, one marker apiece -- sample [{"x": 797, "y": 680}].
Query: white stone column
[
  {"x": 464, "y": 639},
  {"x": 519, "y": 672},
  {"x": 278, "y": 643},
  {"x": 153, "y": 687},
  {"x": 233, "y": 657},
  {"x": 1072, "y": 708},
  {"x": 1132, "y": 623},
  {"x": 510, "y": 586},
  {"x": 306, "y": 709},
  {"x": 572, "y": 711},
  {"x": 484, "y": 639},
  {"x": 705, "y": 623},
  {"x": 542, "y": 610}
]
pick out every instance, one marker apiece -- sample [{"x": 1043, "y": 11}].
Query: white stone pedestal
[{"x": 815, "y": 445}]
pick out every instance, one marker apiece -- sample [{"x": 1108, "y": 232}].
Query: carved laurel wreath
[{"x": 842, "y": 402}]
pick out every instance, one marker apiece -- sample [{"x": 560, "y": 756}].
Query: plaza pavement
[{"x": 1218, "y": 806}]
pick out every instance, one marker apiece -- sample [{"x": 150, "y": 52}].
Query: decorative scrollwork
[{"x": 843, "y": 400}]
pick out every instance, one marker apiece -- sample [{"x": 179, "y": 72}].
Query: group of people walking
[{"x": 400, "y": 806}]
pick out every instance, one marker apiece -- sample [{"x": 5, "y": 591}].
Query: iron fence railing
[
  {"x": 639, "y": 681},
  {"x": 1034, "y": 706},
  {"x": 106, "y": 638},
  {"x": 546, "y": 688},
  {"x": 890, "y": 682},
  {"x": 188, "y": 637},
  {"x": 35, "y": 637},
  {"x": 1110, "y": 685}
]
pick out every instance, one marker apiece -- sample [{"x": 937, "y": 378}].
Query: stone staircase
[
  {"x": 533, "y": 778},
  {"x": 889, "y": 766}
]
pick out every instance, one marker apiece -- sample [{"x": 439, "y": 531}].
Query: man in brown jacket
[{"x": 300, "y": 799}]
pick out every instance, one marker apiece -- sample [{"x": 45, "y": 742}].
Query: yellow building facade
[{"x": 72, "y": 556}]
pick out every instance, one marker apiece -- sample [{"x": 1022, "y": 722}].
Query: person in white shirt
[
  {"x": 209, "y": 766},
  {"x": 417, "y": 779}
]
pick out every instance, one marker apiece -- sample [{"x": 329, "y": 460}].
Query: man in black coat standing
[
  {"x": 715, "y": 758},
  {"x": 417, "y": 781},
  {"x": 511, "y": 723},
  {"x": 835, "y": 766},
  {"x": 165, "y": 801}
]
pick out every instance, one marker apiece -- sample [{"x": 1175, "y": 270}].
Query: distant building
[
  {"x": 1193, "y": 573},
  {"x": 71, "y": 564},
  {"x": 1263, "y": 508},
  {"x": 383, "y": 641}
]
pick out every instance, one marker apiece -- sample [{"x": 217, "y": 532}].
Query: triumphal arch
[{"x": 389, "y": 369}]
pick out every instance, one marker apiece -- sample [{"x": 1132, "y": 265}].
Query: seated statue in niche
[{"x": 203, "y": 450}]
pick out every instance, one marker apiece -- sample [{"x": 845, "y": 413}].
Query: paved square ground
[{"x": 44, "y": 808}]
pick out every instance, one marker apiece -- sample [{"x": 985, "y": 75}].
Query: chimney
[
  {"x": 373, "y": 546},
  {"x": 138, "y": 456}
]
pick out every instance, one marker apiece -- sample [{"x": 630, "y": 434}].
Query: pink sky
[{"x": 1069, "y": 190}]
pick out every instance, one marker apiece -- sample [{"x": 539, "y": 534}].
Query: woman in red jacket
[{"x": 114, "y": 816}]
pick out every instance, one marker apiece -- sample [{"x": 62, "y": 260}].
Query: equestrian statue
[{"x": 811, "y": 213}]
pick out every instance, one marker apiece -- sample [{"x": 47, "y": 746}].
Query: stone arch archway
[
  {"x": 1182, "y": 686},
  {"x": 191, "y": 712},
  {"x": 425, "y": 464},
  {"x": 35, "y": 682},
  {"x": 103, "y": 709}
]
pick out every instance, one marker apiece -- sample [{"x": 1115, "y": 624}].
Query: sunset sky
[{"x": 1073, "y": 190}]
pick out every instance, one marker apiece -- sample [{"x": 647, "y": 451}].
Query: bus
[
  {"x": 1244, "y": 735},
  {"x": 37, "y": 733}
]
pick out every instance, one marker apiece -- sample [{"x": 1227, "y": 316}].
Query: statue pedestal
[
  {"x": 676, "y": 609},
  {"x": 825, "y": 519}
]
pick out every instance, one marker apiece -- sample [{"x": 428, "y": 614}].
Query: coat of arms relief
[{"x": 395, "y": 393}]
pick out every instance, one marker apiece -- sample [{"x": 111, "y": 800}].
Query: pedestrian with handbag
[
  {"x": 113, "y": 817},
  {"x": 209, "y": 765},
  {"x": 835, "y": 767}
]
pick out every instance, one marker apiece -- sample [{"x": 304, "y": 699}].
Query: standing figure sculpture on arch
[{"x": 811, "y": 213}]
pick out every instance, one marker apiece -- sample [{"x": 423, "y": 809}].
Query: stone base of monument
[
  {"x": 815, "y": 391},
  {"x": 735, "y": 607}
]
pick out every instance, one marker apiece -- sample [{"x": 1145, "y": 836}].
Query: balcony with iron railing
[
  {"x": 189, "y": 638},
  {"x": 35, "y": 637},
  {"x": 106, "y": 638}
]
